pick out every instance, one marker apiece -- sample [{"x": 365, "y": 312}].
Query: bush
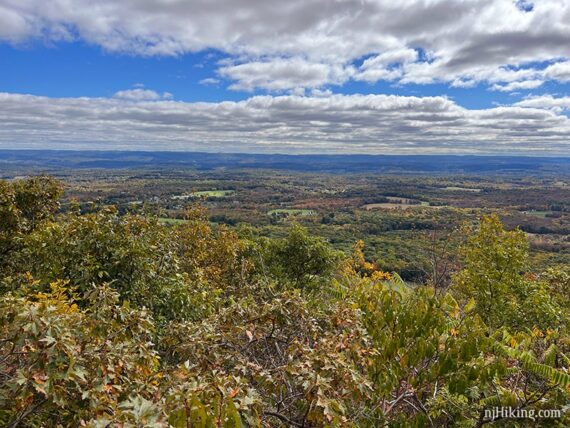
[{"x": 118, "y": 320}]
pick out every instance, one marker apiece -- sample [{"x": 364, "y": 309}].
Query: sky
[{"x": 296, "y": 76}]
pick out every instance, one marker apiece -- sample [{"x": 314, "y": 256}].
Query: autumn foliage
[{"x": 110, "y": 320}]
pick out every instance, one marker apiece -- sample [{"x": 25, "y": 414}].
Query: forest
[
  {"x": 400, "y": 217},
  {"x": 153, "y": 314}
]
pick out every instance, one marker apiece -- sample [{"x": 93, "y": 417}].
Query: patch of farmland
[{"x": 292, "y": 211}]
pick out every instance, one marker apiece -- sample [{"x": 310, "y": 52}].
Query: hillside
[
  {"x": 118, "y": 319},
  {"x": 53, "y": 160}
]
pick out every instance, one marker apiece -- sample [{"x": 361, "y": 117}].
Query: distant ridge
[{"x": 46, "y": 160}]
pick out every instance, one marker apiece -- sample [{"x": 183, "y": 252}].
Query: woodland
[{"x": 111, "y": 316}]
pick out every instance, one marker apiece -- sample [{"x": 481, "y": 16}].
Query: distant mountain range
[{"x": 48, "y": 160}]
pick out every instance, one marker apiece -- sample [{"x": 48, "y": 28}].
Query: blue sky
[
  {"x": 78, "y": 69},
  {"x": 372, "y": 76},
  {"x": 81, "y": 70}
]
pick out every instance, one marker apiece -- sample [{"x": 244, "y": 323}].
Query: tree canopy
[{"x": 119, "y": 320}]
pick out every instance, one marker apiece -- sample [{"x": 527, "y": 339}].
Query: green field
[
  {"x": 393, "y": 205},
  {"x": 168, "y": 220},
  {"x": 541, "y": 214},
  {"x": 214, "y": 193},
  {"x": 462, "y": 189},
  {"x": 291, "y": 211}
]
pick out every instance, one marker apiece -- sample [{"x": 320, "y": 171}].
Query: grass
[
  {"x": 464, "y": 189},
  {"x": 205, "y": 193},
  {"x": 541, "y": 214},
  {"x": 389, "y": 206},
  {"x": 392, "y": 206},
  {"x": 292, "y": 211},
  {"x": 168, "y": 220},
  {"x": 214, "y": 193}
]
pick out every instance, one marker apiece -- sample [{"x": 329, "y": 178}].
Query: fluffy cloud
[
  {"x": 386, "y": 66},
  {"x": 559, "y": 71},
  {"x": 210, "y": 81},
  {"x": 280, "y": 45},
  {"x": 292, "y": 124},
  {"x": 515, "y": 86},
  {"x": 140, "y": 94},
  {"x": 546, "y": 102},
  {"x": 284, "y": 74}
]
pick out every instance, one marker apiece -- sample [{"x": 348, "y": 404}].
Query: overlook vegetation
[{"x": 117, "y": 319}]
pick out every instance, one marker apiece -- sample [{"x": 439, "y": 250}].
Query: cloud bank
[
  {"x": 280, "y": 45},
  {"x": 386, "y": 124}
]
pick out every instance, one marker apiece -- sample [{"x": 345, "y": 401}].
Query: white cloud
[
  {"x": 321, "y": 93},
  {"x": 13, "y": 25},
  {"x": 546, "y": 102},
  {"x": 139, "y": 94},
  {"x": 386, "y": 66},
  {"x": 293, "y": 124},
  {"x": 209, "y": 81},
  {"x": 515, "y": 86},
  {"x": 462, "y": 42},
  {"x": 282, "y": 74},
  {"x": 559, "y": 71}
]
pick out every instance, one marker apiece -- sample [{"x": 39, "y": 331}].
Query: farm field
[
  {"x": 168, "y": 220},
  {"x": 463, "y": 189},
  {"x": 540, "y": 214},
  {"x": 292, "y": 212},
  {"x": 204, "y": 194},
  {"x": 399, "y": 205},
  {"x": 395, "y": 216},
  {"x": 214, "y": 193}
]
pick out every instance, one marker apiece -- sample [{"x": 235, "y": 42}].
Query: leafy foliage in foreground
[{"x": 110, "y": 320}]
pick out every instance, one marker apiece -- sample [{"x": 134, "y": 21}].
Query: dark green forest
[{"x": 116, "y": 318}]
